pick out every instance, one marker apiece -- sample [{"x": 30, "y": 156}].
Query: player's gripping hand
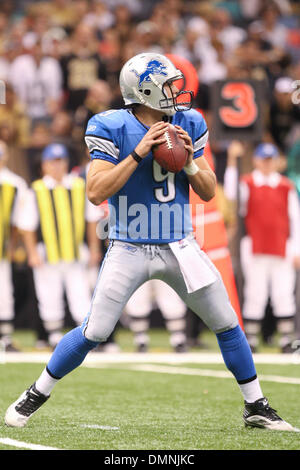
[
  {"x": 154, "y": 136},
  {"x": 188, "y": 144}
]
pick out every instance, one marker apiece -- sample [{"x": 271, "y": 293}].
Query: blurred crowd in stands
[{"x": 60, "y": 61}]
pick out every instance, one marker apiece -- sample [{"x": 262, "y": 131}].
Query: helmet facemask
[{"x": 181, "y": 101}]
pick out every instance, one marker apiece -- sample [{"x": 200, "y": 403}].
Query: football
[{"x": 171, "y": 155}]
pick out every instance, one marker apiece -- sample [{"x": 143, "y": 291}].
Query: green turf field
[{"x": 146, "y": 406}]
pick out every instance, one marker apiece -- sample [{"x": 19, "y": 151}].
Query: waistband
[{"x": 162, "y": 246}]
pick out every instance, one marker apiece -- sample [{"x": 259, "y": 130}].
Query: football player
[{"x": 151, "y": 232}]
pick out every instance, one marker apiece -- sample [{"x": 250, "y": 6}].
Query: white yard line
[
  {"x": 99, "y": 426},
  {"x": 167, "y": 358},
  {"x": 209, "y": 373},
  {"x": 24, "y": 445}
]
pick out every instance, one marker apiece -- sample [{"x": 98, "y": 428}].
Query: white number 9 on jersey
[{"x": 165, "y": 193}]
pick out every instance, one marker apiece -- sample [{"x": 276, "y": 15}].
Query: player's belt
[
  {"x": 62, "y": 221},
  {"x": 7, "y": 197}
]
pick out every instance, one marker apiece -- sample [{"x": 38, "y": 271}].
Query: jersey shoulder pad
[
  {"x": 195, "y": 125},
  {"x": 103, "y": 133},
  {"x": 107, "y": 122},
  {"x": 196, "y": 121}
]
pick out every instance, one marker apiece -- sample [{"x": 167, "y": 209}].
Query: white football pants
[
  {"x": 267, "y": 276},
  {"x": 127, "y": 266},
  {"x": 51, "y": 281}
]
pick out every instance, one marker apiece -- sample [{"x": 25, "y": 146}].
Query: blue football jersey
[{"x": 153, "y": 206}]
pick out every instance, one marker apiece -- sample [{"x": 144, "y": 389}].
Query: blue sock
[
  {"x": 237, "y": 354},
  {"x": 69, "y": 353}
]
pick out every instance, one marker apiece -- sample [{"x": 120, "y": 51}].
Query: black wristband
[{"x": 135, "y": 156}]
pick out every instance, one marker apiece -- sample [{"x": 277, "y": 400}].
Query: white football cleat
[
  {"x": 24, "y": 407},
  {"x": 260, "y": 415}
]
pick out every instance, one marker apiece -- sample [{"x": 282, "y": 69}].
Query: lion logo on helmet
[{"x": 153, "y": 67}]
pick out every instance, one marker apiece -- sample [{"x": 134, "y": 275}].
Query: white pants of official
[
  {"x": 51, "y": 282},
  {"x": 159, "y": 293},
  {"x": 267, "y": 276},
  {"x": 127, "y": 266},
  {"x": 172, "y": 307},
  {"x": 6, "y": 292}
]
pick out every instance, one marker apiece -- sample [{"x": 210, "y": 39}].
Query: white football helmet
[{"x": 146, "y": 79}]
